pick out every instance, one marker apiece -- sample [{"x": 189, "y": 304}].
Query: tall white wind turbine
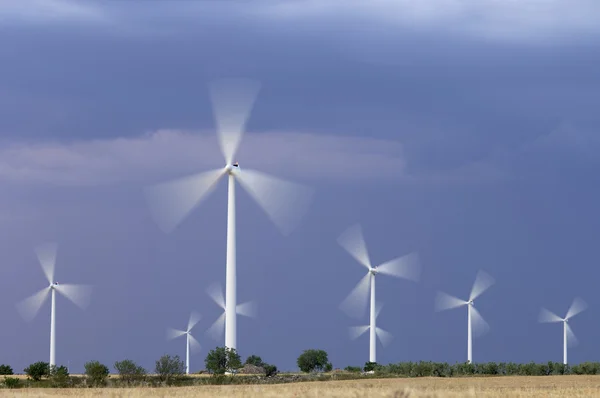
[
  {"x": 190, "y": 341},
  {"x": 78, "y": 294},
  {"x": 283, "y": 201},
  {"x": 406, "y": 267},
  {"x": 475, "y": 322},
  {"x": 569, "y": 338}
]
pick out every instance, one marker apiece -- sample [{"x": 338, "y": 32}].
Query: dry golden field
[{"x": 521, "y": 386}]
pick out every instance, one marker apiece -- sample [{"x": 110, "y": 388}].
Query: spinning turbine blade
[
  {"x": 384, "y": 337},
  {"x": 218, "y": 328},
  {"x": 406, "y": 267},
  {"x": 194, "y": 319},
  {"x": 480, "y": 326},
  {"x": 29, "y": 307},
  {"x": 216, "y": 293},
  {"x": 78, "y": 294},
  {"x": 194, "y": 344},
  {"x": 578, "y": 306},
  {"x": 378, "y": 308},
  {"x": 284, "y": 202},
  {"x": 232, "y": 101},
  {"x": 547, "y": 316},
  {"x": 355, "y": 304},
  {"x": 357, "y": 331},
  {"x": 353, "y": 241},
  {"x": 247, "y": 309},
  {"x": 444, "y": 302},
  {"x": 482, "y": 282},
  {"x": 174, "y": 333},
  {"x": 46, "y": 254},
  {"x": 170, "y": 202},
  {"x": 571, "y": 339}
]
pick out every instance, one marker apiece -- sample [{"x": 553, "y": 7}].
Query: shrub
[
  {"x": 129, "y": 371},
  {"x": 59, "y": 376},
  {"x": 12, "y": 382},
  {"x": 96, "y": 373},
  {"x": 314, "y": 360},
  {"x": 254, "y": 360},
  {"x": 37, "y": 370},
  {"x": 353, "y": 369},
  {"x": 169, "y": 368},
  {"x": 369, "y": 366},
  {"x": 221, "y": 360},
  {"x": 270, "y": 370},
  {"x": 6, "y": 370}
]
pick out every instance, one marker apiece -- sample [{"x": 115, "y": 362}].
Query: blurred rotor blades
[
  {"x": 29, "y": 307},
  {"x": 46, "y": 254},
  {"x": 576, "y": 307},
  {"x": 571, "y": 339},
  {"x": 482, "y": 282},
  {"x": 216, "y": 293},
  {"x": 480, "y": 326},
  {"x": 384, "y": 337},
  {"x": 218, "y": 328},
  {"x": 194, "y": 319},
  {"x": 355, "y": 304},
  {"x": 353, "y": 241},
  {"x": 174, "y": 333},
  {"x": 357, "y": 331},
  {"x": 194, "y": 344},
  {"x": 547, "y": 316},
  {"x": 445, "y": 301},
  {"x": 232, "y": 101},
  {"x": 248, "y": 309},
  {"x": 406, "y": 267},
  {"x": 284, "y": 202},
  {"x": 78, "y": 294},
  {"x": 170, "y": 202}
]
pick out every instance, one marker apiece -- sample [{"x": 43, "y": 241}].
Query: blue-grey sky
[{"x": 464, "y": 130}]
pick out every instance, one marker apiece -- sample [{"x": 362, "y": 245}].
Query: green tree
[
  {"x": 6, "y": 370},
  {"x": 254, "y": 360},
  {"x": 221, "y": 360},
  {"x": 37, "y": 370},
  {"x": 370, "y": 366},
  {"x": 270, "y": 370},
  {"x": 129, "y": 371},
  {"x": 169, "y": 368},
  {"x": 96, "y": 373},
  {"x": 314, "y": 360},
  {"x": 59, "y": 376}
]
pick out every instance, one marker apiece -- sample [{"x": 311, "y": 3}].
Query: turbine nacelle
[
  {"x": 232, "y": 168},
  {"x": 373, "y": 271}
]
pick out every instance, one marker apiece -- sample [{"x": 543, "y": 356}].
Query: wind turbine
[
  {"x": 190, "y": 342},
  {"x": 406, "y": 267},
  {"x": 172, "y": 201},
  {"x": 474, "y": 319},
  {"x": 576, "y": 307},
  {"x": 78, "y": 294}
]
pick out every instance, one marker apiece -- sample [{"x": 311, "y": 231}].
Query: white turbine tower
[
  {"x": 78, "y": 294},
  {"x": 475, "y": 322},
  {"x": 576, "y": 307},
  {"x": 190, "y": 341},
  {"x": 172, "y": 201},
  {"x": 355, "y": 304}
]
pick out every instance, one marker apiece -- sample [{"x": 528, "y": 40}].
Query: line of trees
[{"x": 223, "y": 364}]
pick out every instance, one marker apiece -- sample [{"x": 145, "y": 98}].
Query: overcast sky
[{"x": 465, "y": 130}]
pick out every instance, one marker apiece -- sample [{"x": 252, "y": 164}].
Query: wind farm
[{"x": 300, "y": 199}]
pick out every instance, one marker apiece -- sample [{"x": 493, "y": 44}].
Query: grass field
[{"x": 507, "y": 386}]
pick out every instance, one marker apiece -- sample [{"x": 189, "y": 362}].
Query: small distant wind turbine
[
  {"x": 576, "y": 307},
  {"x": 247, "y": 309},
  {"x": 283, "y": 201},
  {"x": 406, "y": 267},
  {"x": 190, "y": 341},
  {"x": 445, "y": 302},
  {"x": 78, "y": 294}
]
